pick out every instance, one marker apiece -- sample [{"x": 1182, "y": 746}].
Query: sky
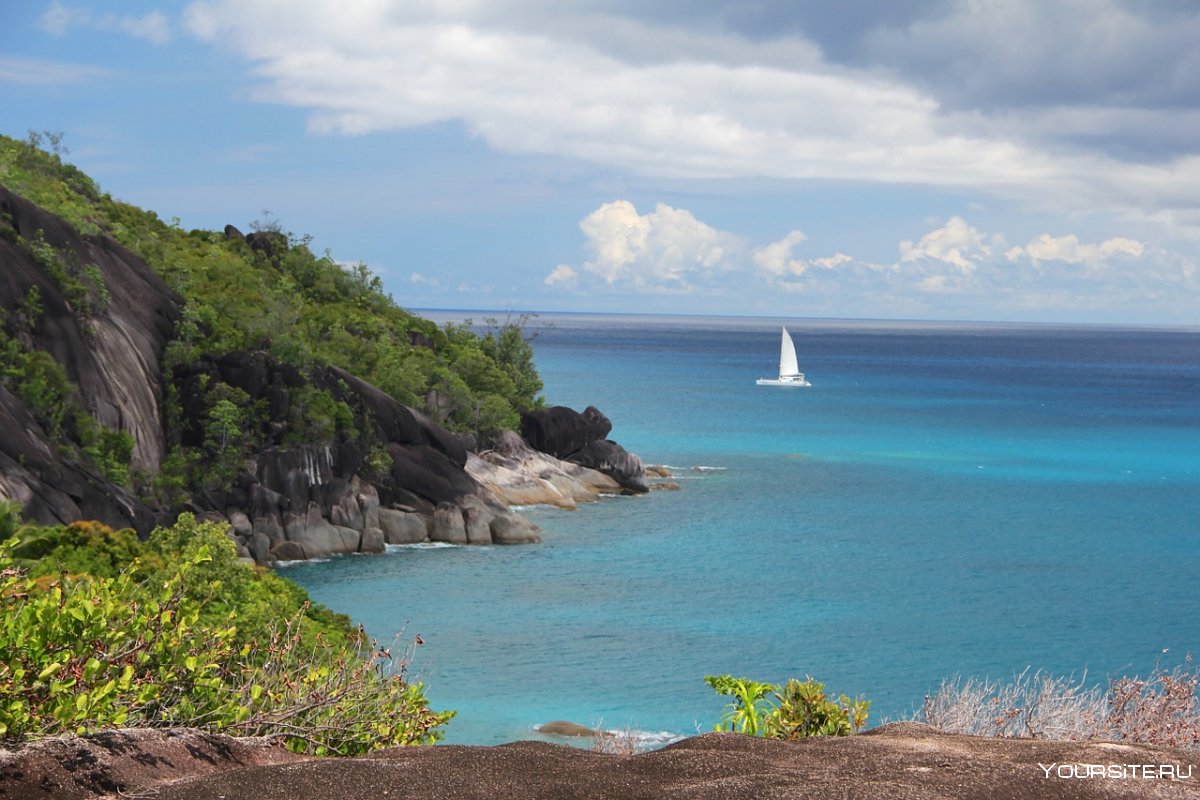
[{"x": 1011, "y": 160}]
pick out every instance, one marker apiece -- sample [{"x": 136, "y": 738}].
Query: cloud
[
  {"x": 36, "y": 72},
  {"x": 666, "y": 246},
  {"x": 952, "y": 271},
  {"x": 776, "y": 257},
  {"x": 1100, "y": 118},
  {"x": 562, "y": 274},
  {"x": 834, "y": 261},
  {"x": 1069, "y": 250},
  {"x": 57, "y": 19},
  {"x": 153, "y": 27},
  {"x": 779, "y": 264},
  {"x": 956, "y": 243}
]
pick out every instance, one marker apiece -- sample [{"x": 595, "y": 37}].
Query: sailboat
[{"x": 789, "y": 370}]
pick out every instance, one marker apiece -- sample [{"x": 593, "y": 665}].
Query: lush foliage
[
  {"x": 266, "y": 292},
  {"x": 796, "y": 710},
  {"x": 187, "y": 638},
  {"x": 305, "y": 309}
]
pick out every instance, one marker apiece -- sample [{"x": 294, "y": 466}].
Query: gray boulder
[
  {"x": 402, "y": 527},
  {"x": 448, "y": 525},
  {"x": 372, "y": 541},
  {"x": 509, "y": 528},
  {"x": 615, "y": 461}
]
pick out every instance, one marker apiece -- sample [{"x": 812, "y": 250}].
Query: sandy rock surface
[{"x": 903, "y": 761}]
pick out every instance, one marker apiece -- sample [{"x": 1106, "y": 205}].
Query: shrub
[
  {"x": 1161, "y": 709},
  {"x": 187, "y": 636},
  {"x": 796, "y": 710},
  {"x": 79, "y": 654}
]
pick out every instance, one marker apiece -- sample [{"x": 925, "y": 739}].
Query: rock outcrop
[
  {"x": 392, "y": 477},
  {"x": 112, "y": 354},
  {"x": 903, "y": 760},
  {"x": 581, "y": 438},
  {"x": 519, "y": 475},
  {"x": 304, "y": 502},
  {"x": 402, "y": 480}
]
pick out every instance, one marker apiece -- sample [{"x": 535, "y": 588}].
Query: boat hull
[{"x": 782, "y": 382}]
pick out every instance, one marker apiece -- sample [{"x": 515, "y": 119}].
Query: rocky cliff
[{"x": 390, "y": 474}]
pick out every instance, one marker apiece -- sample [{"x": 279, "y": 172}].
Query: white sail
[
  {"x": 787, "y": 357},
  {"x": 789, "y": 370}
]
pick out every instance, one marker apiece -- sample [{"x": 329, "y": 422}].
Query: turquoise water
[{"x": 946, "y": 499}]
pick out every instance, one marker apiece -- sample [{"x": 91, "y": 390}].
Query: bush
[
  {"x": 796, "y": 710},
  {"x": 187, "y": 636},
  {"x": 1161, "y": 709}
]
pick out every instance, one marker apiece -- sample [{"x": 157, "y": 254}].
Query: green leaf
[{"x": 50, "y": 670}]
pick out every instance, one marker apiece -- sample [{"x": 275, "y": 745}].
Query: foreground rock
[{"x": 899, "y": 761}]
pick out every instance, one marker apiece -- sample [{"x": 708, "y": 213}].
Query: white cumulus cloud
[
  {"x": 776, "y": 258},
  {"x": 665, "y": 246},
  {"x": 956, "y": 243},
  {"x": 778, "y": 261},
  {"x": 1070, "y": 250},
  {"x": 562, "y": 274}
]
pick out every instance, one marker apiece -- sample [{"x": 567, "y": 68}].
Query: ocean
[{"x": 947, "y": 499}]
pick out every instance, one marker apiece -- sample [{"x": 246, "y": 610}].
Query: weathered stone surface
[
  {"x": 372, "y": 541},
  {"x": 560, "y": 431},
  {"x": 477, "y": 520},
  {"x": 610, "y": 458},
  {"x": 368, "y": 501},
  {"x": 518, "y": 475},
  {"x": 52, "y": 490},
  {"x": 271, "y": 526},
  {"x": 563, "y": 728},
  {"x": 904, "y": 761},
  {"x": 581, "y": 438},
  {"x": 242, "y": 526},
  {"x": 509, "y": 528},
  {"x": 260, "y": 547},
  {"x": 313, "y": 533},
  {"x": 348, "y": 540},
  {"x": 288, "y": 551},
  {"x": 341, "y": 505},
  {"x": 448, "y": 525},
  {"x": 114, "y": 358},
  {"x": 402, "y": 527}
]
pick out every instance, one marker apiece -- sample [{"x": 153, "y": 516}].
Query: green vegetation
[
  {"x": 100, "y": 630},
  {"x": 266, "y": 292},
  {"x": 40, "y": 381},
  {"x": 797, "y": 710}
]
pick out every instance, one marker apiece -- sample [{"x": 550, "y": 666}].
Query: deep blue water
[{"x": 946, "y": 499}]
